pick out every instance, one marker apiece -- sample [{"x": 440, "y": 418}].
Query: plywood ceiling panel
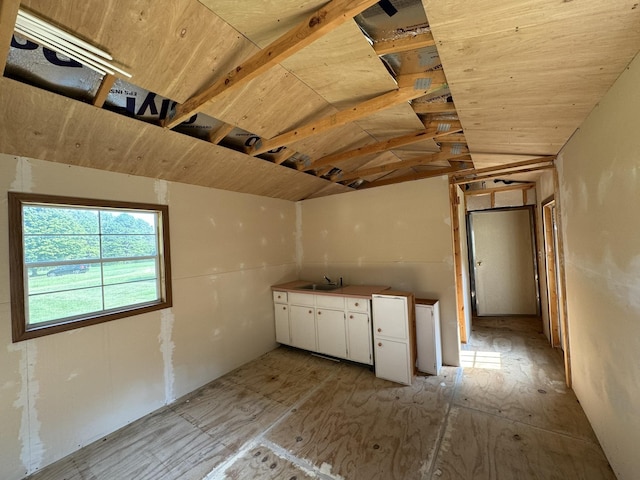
[
  {"x": 524, "y": 74},
  {"x": 167, "y": 46},
  {"x": 50, "y": 127}
]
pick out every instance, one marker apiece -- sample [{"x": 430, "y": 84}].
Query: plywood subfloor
[{"x": 292, "y": 415}]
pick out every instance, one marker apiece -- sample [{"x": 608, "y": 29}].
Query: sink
[{"x": 320, "y": 287}]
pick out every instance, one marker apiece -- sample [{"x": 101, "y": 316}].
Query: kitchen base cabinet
[
  {"x": 359, "y": 338},
  {"x": 394, "y": 336},
  {"x": 332, "y": 338},
  {"x": 334, "y": 325},
  {"x": 282, "y": 323},
  {"x": 392, "y": 361},
  {"x": 429, "y": 347},
  {"x": 303, "y": 327}
]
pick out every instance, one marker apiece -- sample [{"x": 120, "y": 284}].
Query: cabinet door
[
  {"x": 392, "y": 361},
  {"x": 332, "y": 337},
  {"x": 303, "y": 327},
  {"x": 359, "y": 338},
  {"x": 282, "y": 323},
  {"x": 390, "y": 317}
]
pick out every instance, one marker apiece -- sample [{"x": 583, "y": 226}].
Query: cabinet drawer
[
  {"x": 280, "y": 297},
  {"x": 302, "y": 299},
  {"x": 358, "y": 305},
  {"x": 329, "y": 301}
]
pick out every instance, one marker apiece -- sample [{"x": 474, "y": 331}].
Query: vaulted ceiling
[{"x": 296, "y": 99}]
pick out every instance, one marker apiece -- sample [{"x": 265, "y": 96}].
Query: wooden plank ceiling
[{"x": 336, "y": 96}]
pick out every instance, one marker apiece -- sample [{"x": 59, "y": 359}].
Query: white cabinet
[
  {"x": 302, "y": 321},
  {"x": 282, "y": 323},
  {"x": 429, "y": 346},
  {"x": 392, "y": 361},
  {"x": 330, "y": 324},
  {"x": 332, "y": 339},
  {"x": 394, "y": 336},
  {"x": 281, "y": 311},
  {"x": 359, "y": 337}
]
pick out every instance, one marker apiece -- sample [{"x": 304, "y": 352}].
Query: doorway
[
  {"x": 502, "y": 255},
  {"x": 552, "y": 272}
]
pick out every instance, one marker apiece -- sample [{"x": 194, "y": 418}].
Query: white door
[
  {"x": 282, "y": 323},
  {"x": 303, "y": 327},
  {"x": 332, "y": 334},
  {"x": 505, "y": 280},
  {"x": 359, "y": 336},
  {"x": 392, "y": 361},
  {"x": 389, "y": 317}
]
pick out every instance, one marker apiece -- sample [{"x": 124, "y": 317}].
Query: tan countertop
[{"x": 362, "y": 291}]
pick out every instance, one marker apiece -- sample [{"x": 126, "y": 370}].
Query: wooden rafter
[
  {"x": 103, "y": 90},
  {"x": 427, "y": 108},
  {"x": 486, "y": 191},
  {"x": 216, "y": 136},
  {"x": 319, "y": 23},
  {"x": 413, "y": 79},
  {"x": 415, "y": 176},
  {"x": 364, "y": 109},
  {"x": 404, "y": 44},
  {"x": 502, "y": 174},
  {"x": 390, "y": 167},
  {"x": 504, "y": 169},
  {"x": 458, "y": 138},
  {"x": 284, "y": 155},
  {"x": 8, "y": 14},
  {"x": 431, "y": 132}
]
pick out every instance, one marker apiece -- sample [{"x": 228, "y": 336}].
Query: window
[{"x": 77, "y": 262}]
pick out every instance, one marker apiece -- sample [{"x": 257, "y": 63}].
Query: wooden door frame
[
  {"x": 534, "y": 256},
  {"x": 561, "y": 287},
  {"x": 551, "y": 269}
]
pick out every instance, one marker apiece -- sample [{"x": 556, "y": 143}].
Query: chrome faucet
[{"x": 329, "y": 282}]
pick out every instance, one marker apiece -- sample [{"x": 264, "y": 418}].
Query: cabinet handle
[
  {"x": 319, "y": 313},
  {"x": 284, "y": 308},
  {"x": 379, "y": 330},
  {"x": 350, "y": 316},
  {"x": 310, "y": 311},
  {"x": 357, "y": 304},
  {"x": 379, "y": 344}
]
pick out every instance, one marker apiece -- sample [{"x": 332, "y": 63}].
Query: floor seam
[
  {"x": 443, "y": 425},
  {"x": 519, "y": 422},
  {"x": 218, "y": 472}
]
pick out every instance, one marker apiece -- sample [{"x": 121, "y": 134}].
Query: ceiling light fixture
[{"x": 62, "y": 42}]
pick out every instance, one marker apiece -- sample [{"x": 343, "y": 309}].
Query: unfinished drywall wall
[
  {"x": 399, "y": 235},
  {"x": 63, "y": 391},
  {"x": 599, "y": 178}
]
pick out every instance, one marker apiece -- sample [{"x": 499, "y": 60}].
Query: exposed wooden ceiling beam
[
  {"x": 427, "y": 108},
  {"x": 486, "y": 191},
  {"x": 458, "y": 138},
  {"x": 319, "y": 23},
  {"x": 8, "y": 15},
  {"x": 504, "y": 168},
  {"x": 284, "y": 155},
  {"x": 364, "y": 109},
  {"x": 103, "y": 90},
  {"x": 216, "y": 136},
  {"x": 390, "y": 167},
  {"x": 431, "y": 77},
  {"x": 502, "y": 174},
  {"x": 404, "y": 44},
  {"x": 431, "y": 132},
  {"x": 415, "y": 176}
]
